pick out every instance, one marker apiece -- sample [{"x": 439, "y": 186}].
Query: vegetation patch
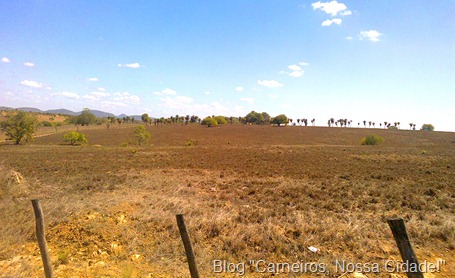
[
  {"x": 74, "y": 137},
  {"x": 372, "y": 139}
]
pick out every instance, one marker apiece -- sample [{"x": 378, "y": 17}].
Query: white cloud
[
  {"x": 178, "y": 102},
  {"x": 96, "y": 95},
  {"x": 239, "y": 89},
  {"x": 126, "y": 97},
  {"x": 294, "y": 67},
  {"x": 67, "y": 94},
  {"x": 113, "y": 104},
  {"x": 5, "y": 60},
  {"x": 371, "y": 35},
  {"x": 332, "y": 8},
  {"x": 101, "y": 89},
  {"x": 166, "y": 92},
  {"x": 208, "y": 93},
  {"x": 32, "y": 84},
  {"x": 304, "y": 64},
  {"x": 329, "y": 22},
  {"x": 249, "y": 100},
  {"x": 296, "y": 73},
  {"x": 29, "y": 64},
  {"x": 270, "y": 83},
  {"x": 132, "y": 65},
  {"x": 345, "y": 13},
  {"x": 183, "y": 105},
  {"x": 349, "y": 38},
  {"x": 93, "y": 79}
]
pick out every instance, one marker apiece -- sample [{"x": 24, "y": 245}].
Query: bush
[
  {"x": 428, "y": 127},
  {"x": 191, "y": 143},
  {"x": 209, "y": 121},
  {"x": 74, "y": 137},
  {"x": 20, "y": 126},
  {"x": 46, "y": 123},
  {"x": 372, "y": 139},
  {"x": 142, "y": 134}
]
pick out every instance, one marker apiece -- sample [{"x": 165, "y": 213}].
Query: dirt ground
[{"x": 249, "y": 194}]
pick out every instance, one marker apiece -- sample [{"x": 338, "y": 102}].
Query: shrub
[
  {"x": 392, "y": 127},
  {"x": 191, "y": 143},
  {"x": 20, "y": 126},
  {"x": 209, "y": 121},
  {"x": 428, "y": 127},
  {"x": 372, "y": 139},
  {"x": 142, "y": 134},
  {"x": 46, "y": 123},
  {"x": 74, "y": 137}
]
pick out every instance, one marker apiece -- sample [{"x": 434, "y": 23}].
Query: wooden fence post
[
  {"x": 41, "y": 238},
  {"x": 404, "y": 245},
  {"x": 188, "y": 248}
]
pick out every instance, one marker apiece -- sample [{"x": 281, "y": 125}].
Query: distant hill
[
  {"x": 97, "y": 113},
  {"x": 30, "y": 109},
  {"x": 62, "y": 112},
  {"x": 100, "y": 114}
]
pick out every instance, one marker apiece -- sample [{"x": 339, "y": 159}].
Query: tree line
[{"x": 20, "y": 126}]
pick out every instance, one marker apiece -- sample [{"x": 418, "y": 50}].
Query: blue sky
[{"x": 361, "y": 60}]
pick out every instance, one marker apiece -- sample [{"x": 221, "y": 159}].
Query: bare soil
[{"x": 247, "y": 193}]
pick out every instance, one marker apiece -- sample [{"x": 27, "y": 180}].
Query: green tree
[
  {"x": 20, "y": 126},
  {"x": 145, "y": 118},
  {"x": 428, "y": 127},
  {"x": 266, "y": 117},
  {"x": 74, "y": 137},
  {"x": 209, "y": 122},
  {"x": 221, "y": 120},
  {"x": 142, "y": 134},
  {"x": 85, "y": 118},
  {"x": 280, "y": 119},
  {"x": 254, "y": 118}
]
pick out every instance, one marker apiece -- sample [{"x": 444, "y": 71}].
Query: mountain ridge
[{"x": 63, "y": 111}]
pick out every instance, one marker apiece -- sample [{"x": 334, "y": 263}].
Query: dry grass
[{"x": 247, "y": 192}]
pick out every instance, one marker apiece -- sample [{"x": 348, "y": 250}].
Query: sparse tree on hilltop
[
  {"x": 145, "y": 118},
  {"x": 280, "y": 120},
  {"x": 209, "y": 122},
  {"x": 428, "y": 127}
]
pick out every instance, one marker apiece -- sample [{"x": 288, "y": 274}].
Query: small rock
[
  {"x": 101, "y": 264},
  {"x": 136, "y": 257}
]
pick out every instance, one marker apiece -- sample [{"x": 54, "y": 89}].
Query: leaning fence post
[
  {"x": 41, "y": 238},
  {"x": 188, "y": 248},
  {"x": 404, "y": 245}
]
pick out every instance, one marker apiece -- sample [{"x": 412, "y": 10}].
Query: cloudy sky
[{"x": 362, "y": 60}]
